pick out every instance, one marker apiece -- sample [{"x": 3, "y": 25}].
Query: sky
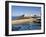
[{"x": 25, "y": 10}]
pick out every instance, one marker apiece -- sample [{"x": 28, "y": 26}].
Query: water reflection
[{"x": 26, "y": 26}]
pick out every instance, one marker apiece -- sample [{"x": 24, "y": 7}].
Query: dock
[{"x": 25, "y": 20}]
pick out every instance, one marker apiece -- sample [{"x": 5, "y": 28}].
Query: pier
[{"x": 25, "y": 20}]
